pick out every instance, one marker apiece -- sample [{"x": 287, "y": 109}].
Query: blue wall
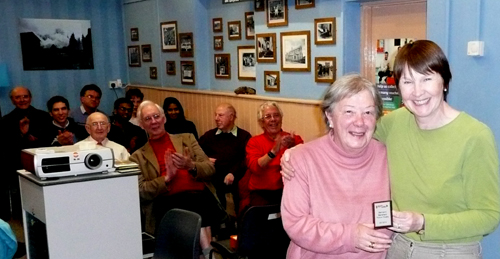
[
  {"x": 196, "y": 16},
  {"x": 475, "y": 84},
  {"x": 108, "y": 45}
]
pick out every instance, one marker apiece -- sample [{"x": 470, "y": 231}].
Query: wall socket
[{"x": 115, "y": 84}]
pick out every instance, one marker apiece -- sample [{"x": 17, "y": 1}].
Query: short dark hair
[
  {"x": 90, "y": 87},
  {"x": 134, "y": 92},
  {"x": 122, "y": 100},
  {"x": 423, "y": 56},
  {"x": 56, "y": 99}
]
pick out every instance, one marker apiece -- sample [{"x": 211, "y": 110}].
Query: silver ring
[
  {"x": 371, "y": 244},
  {"x": 398, "y": 226}
]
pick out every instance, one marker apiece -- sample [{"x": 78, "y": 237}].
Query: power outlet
[{"x": 113, "y": 84}]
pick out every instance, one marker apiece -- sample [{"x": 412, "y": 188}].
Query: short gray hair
[
  {"x": 347, "y": 86},
  {"x": 262, "y": 107},
  {"x": 148, "y": 103}
]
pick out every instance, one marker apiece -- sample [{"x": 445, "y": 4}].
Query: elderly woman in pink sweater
[{"x": 327, "y": 206}]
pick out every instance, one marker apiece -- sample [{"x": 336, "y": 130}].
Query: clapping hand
[
  {"x": 170, "y": 167},
  {"x": 65, "y": 138},
  {"x": 183, "y": 161}
]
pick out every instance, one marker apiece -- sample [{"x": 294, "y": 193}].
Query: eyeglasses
[
  {"x": 270, "y": 116},
  {"x": 123, "y": 109},
  {"x": 93, "y": 97},
  {"x": 96, "y": 124},
  {"x": 149, "y": 119}
]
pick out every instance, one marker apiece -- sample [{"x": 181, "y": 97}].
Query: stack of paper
[{"x": 126, "y": 167}]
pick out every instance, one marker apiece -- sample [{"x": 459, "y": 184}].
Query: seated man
[
  {"x": 63, "y": 130},
  {"x": 130, "y": 136},
  {"x": 225, "y": 145},
  {"x": 24, "y": 127},
  {"x": 175, "y": 173},
  {"x": 98, "y": 127},
  {"x": 90, "y": 98}
]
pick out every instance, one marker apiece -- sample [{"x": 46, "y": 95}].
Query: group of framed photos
[{"x": 233, "y": 30}]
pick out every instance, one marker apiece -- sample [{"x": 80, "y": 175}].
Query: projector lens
[{"x": 93, "y": 161}]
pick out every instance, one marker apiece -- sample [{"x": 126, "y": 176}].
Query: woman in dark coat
[{"x": 176, "y": 121}]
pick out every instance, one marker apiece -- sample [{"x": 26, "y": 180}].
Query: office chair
[
  {"x": 261, "y": 235},
  {"x": 178, "y": 235}
]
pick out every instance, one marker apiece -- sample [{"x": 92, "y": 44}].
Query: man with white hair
[
  {"x": 98, "y": 127},
  {"x": 175, "y": 173}
]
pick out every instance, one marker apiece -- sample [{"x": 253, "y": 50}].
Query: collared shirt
[
  {"x": 234, "y": 131},
  {"x": 119, "y": 151}
]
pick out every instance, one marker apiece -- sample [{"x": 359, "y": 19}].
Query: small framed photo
[
  {"x": 222, "y": 66},
  {"x": 146, "y": 53},
  {"x": 134, "y": 34},
  {"x": 217, "y": 24},
  {"x": 249, "y": 26},
  {"x": 277, "y": 13},
  {"x": 187, "y": 44},
  {"x": 246, "y": 63},
  {"x": 326, "y": 69},
  {"x": 168, "y": 32},
  {"x": 171, "y": 67},
  {"x": 266, "y": 47},
  {"x": 153, "y": 73},
  {"x": 272, "y": 81},
  {"x": 218, "y": 43},
  {"x": 234, "y": 30},
  {"x": 134, "y": 56},
  {"x": 301, "y": 4},
  {"x": 325, "y": 31},
  {"x": 296, "y": 51},
  {"x": 187, "y": 73},
  {"x": 259, "y": 5}
]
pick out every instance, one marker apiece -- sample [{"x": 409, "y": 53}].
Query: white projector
[{"x": 63, "y": 161}]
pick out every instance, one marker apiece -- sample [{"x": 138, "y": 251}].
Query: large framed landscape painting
[{"x": 52, "y": 44}]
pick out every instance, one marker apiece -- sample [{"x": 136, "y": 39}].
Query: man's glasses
[
  {"x": 93, "y": 97},
  {"x": 270, "y": 116},
  {"x": 96, "y": 124},
  {"x": 149, "y": 119}
]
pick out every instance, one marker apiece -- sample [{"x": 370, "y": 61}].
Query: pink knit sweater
[{"x": 332, "y": 192}]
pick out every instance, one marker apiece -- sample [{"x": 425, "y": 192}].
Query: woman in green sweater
[{"x": 443, "y": 164}]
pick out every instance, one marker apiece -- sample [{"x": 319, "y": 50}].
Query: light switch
[{"x": 475, "y": 48}]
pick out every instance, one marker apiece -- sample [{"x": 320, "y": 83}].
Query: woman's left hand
[
  {"x": 371, "y": 240},
  {"x": 407, "y": 221}
]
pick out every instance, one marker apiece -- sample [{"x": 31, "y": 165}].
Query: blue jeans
[{"x": 403, "y": 247}]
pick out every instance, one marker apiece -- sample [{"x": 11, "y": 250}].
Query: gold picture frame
[
  {"x": 296, "y": 51},
  {"x": 272, "y": 81},
  {"x": 325, "y": 31},
  {"x": 325, "y": 69}
]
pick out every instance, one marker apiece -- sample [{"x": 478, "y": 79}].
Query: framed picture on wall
[
  {"x": 296, "y": 51},
  {"x": 171, "y": 67},
  {"x": 301, "y": 4},
  {"x": 259, "y": 5},
  {"x": 277, "y": 13},
  {"x": 234, "y": 30},
  {"x": 153, "y": 73},
  {"x": 218, "y": 43},
  {"x": 187, "y": 73},
  {"x": 134, "y": 56},
  {"x": 217, "y": 24},
  {"x": 272, "y": 81},
  {"x": 134, "y": 34},
  {"x": 187, "y": 44},
  {"x": 168, "y": 32},
  {"x": 266, "y": 47},
  {"x": 326, "y": 69},
  {"x": 146, "y": 53},
  {"x": 325, "y": 31},
  {"x": 249, "y": 26},
  {"x": 222, "y": 66},
  {"x": 246, "y": 62}
]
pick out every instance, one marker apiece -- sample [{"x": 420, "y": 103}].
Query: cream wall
[{"x": 301, "y": 116}]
